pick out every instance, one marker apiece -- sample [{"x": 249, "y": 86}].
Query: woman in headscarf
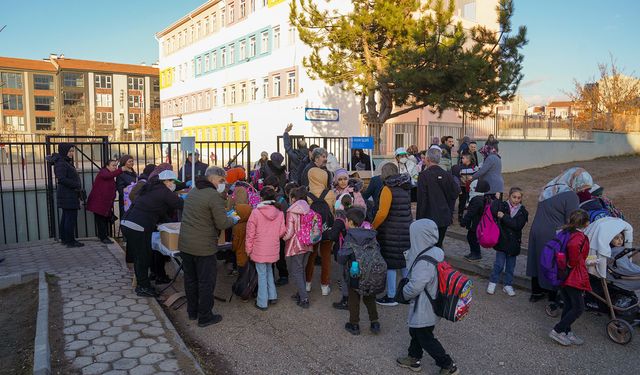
[
  {"x": 558, "y": 199},
  {"x": 491, "y": 169},
  {"x": 126, "y": 178},
  {"x": 360, "y": 161}
]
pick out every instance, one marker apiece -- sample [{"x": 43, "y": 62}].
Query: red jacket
[
  {"x": 103, "y": 192},
  {"x": 577, "y": 253}
]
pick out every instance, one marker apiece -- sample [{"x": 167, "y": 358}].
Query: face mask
[
  {"x": 172, "y": 187},
  {"x": 403, "y": 160},
  {"x": 221, "y": 188}
]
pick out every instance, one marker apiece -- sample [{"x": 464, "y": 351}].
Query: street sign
[
  {"x": 321, "y": 114},
  {"x": 188, "y": 144},
  {"x": 365, "y": 143},
  {"x": 177, "y": 122}
]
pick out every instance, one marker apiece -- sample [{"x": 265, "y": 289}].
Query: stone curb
[
  {"x": 16, "y": 278},
  {"x": 42, "y": 350}
]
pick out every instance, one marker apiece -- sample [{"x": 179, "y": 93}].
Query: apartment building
[
  {"x": 232, "y": 70},
  {"x": 67, "y": 96}
]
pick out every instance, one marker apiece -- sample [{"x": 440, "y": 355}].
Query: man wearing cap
[{"x": 199, "y": 170}]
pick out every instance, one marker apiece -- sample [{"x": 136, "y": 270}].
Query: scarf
[
  {"x": 573, "y": 179},
  {"x": 514, "y": 209}
]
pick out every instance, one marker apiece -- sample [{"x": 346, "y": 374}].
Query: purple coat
[{"x": 103, "y": 192}]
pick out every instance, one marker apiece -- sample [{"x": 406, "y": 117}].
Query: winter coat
[
  {"x": 103, "y": 192},
  {"x": 69, "y": 186},
  {"x": 154, "y": 205},
  {"x": 358, "y": 236},
  {"x": 123, "y": 180},
  {"x": 393, "y": 219},
  {"x": 304, "y": 176},
  {"x": 410, "y": 168},
  {"x": 280, "y": 172},
  {"x": 437, "y": 195},
  {"x": 491, "y": 171},
  {"x": 264, "y": 230},
  {"x": 551, "y": 214},
  {"x": 577, "y": 253},
  {"x": 358, "y": 200},
  {"x": 423, "y": 277},
  {"x": 373, "y": 191},
  {"x": 294, "y": 219},
  {"x": 239, "y": 234},
  {"x": 298, "y": 158},
  {"x": 200, "y": 168},
  {"x": 510, "y": 240},
  {"x": 319, "y": 180}
]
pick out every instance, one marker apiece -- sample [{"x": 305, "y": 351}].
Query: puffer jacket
[
  {"x": 264, "y": 230},
  {"x": 69, "y": 185},
  {"x": 577, "y": 253},
  {"x": 393, "y": 219},
  {"x": 294, "y": 219}
]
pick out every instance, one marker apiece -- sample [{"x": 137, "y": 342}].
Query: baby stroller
[{"x": 614, "y": 277}]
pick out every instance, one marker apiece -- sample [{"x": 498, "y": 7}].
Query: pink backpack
[
  {"x": 252, "y": 195},
  {"x": 310, "y": 232},
  {"x": 488, "y": 231}
]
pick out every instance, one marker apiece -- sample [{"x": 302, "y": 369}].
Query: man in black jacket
[
  {"x": 297, "y": 157},
  {"x": 200, "y": 167},
  {"x": 437, "y": 193}
]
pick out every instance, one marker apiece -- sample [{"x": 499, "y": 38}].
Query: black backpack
[
  {"x": 320, "y": 206},
  {"x": 247, "y": 283}
]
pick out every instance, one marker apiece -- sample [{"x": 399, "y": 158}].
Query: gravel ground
[{"x": 501, "y": 336}]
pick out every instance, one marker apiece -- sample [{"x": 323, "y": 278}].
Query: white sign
[
  {"x": 321, "y": 114},
  {"x": 177, "y": 122}
]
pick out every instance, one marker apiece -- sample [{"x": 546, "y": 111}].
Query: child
[
  {"x": 297, "y": 253},
  {"x": 336, "y": 234},
  {"x": 576, "y": 283},
  {"x": 365, "y": 238},
  {"x": 283, "y": 203},
  {"x": 472, "y": 217},
  {"x": 239, "y": 202},
  {"x": 512, "y": 217},
  {"x": 264, "y": 230},
  {"x": 343, "y": 184},
  {"x": 465, "y": 172}
]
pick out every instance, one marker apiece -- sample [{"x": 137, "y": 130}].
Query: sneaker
[
  {"x": 575, "y": 340},
  {"x": 491, "y": 288},
  {"x": 146, "y": 292},
  {"x": 75, "y": 244},
  {"x": 411, "y": 363},
  {"x": 213, "y": 320},
  {"x": 260, "y": 308},
  {"x": 509, "y": 290},
  {"x": 282, "y": 281},
  {"x": 375, "y": 328},
  {"x": 308, "y": 286},
  {"x": 386, "y": 301},
  {"x": 273, "y": 301},
  {"x": 342, "y": 305},
  {"x": 353, "y": 329},
  {"x": 106, "y": 241},
  {"x": 295, "y": 297},
  {"x": 535, "y": 297},
  {"x": 560, "y": 338},
  {"x": 472, "y": 258},
  {"x": 451, "y": 370},
  {"x": 304, "y": 303},
  {"x": 326, "y": 289}
]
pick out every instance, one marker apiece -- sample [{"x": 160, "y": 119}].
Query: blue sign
[
  {"x": 321, "y": 114},
  {"x": 365, "y": 143}
]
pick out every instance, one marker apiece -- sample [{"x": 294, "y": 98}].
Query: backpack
[
  {"x": 598, "y": 214},
  {"x": 125, "y": 195},
  {"x": 553, "y": 259},
  {"x": 310, "y": 232},
  {"x": 454, "y": 296},
  {"x": 252, "y": 195},
  {"x": 247, "y": 283},
  {"x": 373, "y": 268},
  {"x": 488, "y": 231},
  {"x": 320, "y": 206}
]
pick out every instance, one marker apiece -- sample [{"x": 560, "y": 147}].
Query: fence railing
[
  {"x": 540, "y": 128},
  {"x": 338, "y": 146}
]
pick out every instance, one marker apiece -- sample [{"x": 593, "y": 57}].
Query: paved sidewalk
[{"x": 107, "y": 328}]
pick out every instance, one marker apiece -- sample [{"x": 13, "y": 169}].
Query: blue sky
[{"x": 567, "y": 38}]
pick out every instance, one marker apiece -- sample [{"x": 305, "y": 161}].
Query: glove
[{"x": 189, "y": 183}]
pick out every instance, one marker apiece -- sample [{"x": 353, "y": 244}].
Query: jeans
[
  {"x": 102, "y": 225},
  {"x": 266, "y": 284},
  {"x": 573, "y": 308},
  {"x": 442, "y": 231},
  {"x": 296, "y": 266},
  {"x": 68, "y": 221},
  {"x": 474, "y": 245},
  {"x": 325, "y": 248},
  {"x": 199, "y": 284},
  {"x": 141, "y": 245},
  {"x": 392, "y": 281},
  {"x": 281, "y": 264},
  {"x": 354, "y": 307},
  {"x": 503, "y": 261},
  {"x": 423, "y": 339}
]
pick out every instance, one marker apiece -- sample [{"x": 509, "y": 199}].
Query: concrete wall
[{"x": 520, "y": 155}]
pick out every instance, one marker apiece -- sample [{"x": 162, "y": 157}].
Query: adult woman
[
  {"x": 155, "y": 202},
  {"x": 264, "y": 156},
  {"x": 126, "y": 178},
  {"x": 101, "y": 198},
  {"x": 392, "y": 222},
  {"x": 491, "y": 169},
  {"x": 68, "y": 193},
  {"x": 360, "y": 161},
  {"x": 557, "y": 201}
]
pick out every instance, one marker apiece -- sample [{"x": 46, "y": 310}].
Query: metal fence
[
  {"x": 542, "y": 128},
  {"x": 338, "y": 146},
  {"x": 28, "y": 206}
]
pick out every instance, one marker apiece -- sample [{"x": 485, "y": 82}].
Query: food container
[{"x": 169, "y": 235}]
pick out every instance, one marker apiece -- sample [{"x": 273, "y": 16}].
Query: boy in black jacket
[
  {"x": 512, "y": 217},
  {"x": 473, "y": 215}
]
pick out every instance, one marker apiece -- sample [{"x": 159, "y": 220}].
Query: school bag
[
  {"x": 247, "y": 283},
  {"x": 319, "y": 205},
  {"x": 553, "y": 259},
  {"x": 488, "y": 231},
  {"x": 372, "y": 279},
  {"x": 310, "y": 232},
  {"x": 252, "y": 195}
]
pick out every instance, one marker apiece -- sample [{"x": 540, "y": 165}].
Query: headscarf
[
  {"x": 123, "y": 160},
  {"x": 488, "y": 149},
  {"x": 277, "y": 159},
  {"x": 63, "y": 149},
  {"x": 573, "y": 179},
  {"x": 478, "y": 188},
  {"x": 159, "y": 169},
  {"x": 148, "y": 169}
]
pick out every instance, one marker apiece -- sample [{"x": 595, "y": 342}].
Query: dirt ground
[
  {"x": 18, "y": 309},
  {"x": 59, "y": 363}
]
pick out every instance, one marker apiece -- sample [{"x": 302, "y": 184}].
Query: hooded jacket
[
  {"x": 69, "y": 185},
  {"x": 393, "y": 220},
  {"x": 318, "y": 182},
  {"x": 264, "y": 230},
  {"x": 358, "y": 236},
  {"x": 510, "y": 240},
  {"x": 153, "y": 205},
  {"x": 103, "y": 192},
  {"x": 423, "y": 277},
  {"x": 239, "y": 232},
  {"x": 294, "y": 218}
]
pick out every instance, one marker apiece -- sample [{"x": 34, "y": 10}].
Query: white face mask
[
  {"x": 221, "y": 188},
  {"x": 172, "y": 187},
  {"x": 403, "y": 160}
]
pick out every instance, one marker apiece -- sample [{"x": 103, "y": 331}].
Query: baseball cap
[
  {"x": 167, "y": 175},
  {"x": 401, "y": 151}
]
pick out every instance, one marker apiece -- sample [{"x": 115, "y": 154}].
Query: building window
[
  {"x": 232, "y": 13},
  {"x": 103, "y": 81},
  {"x": 214, "y": 96},
  {"x": 291, "y": 83},
  {"x": 12, "y": 102},
  {"x": 199, "y": 104},
  {"x": 264, "y": 42},
  {"x": 243, "y": 93},
  {"x": 232, "y": 133},
  {"x": 15, "y": 122},
  {"x": 252, "y": 46},
  {"x": 223, "y": 133},
  {"x": 199, "y": 30},
  {"x": 42, "y": 82},
  {"x": 192, "y": 34},
  {"x": 104, "y": 118},
  {"x": 206, "y": 26},
  {"x": 207, "y": 100},
  {"x": 207, "y": 67},
  {"x": 73, "y": 98},
  {"x": 214, "y": 60},
  {"x": 223, "y": 57},
  {"x": 243, "y": 133},
  {"x": 233, "y": 94},
  {"x": 135, "y": 101},
  {"x": 198, "y": 65},
  {"x": 292, "y": 35},
  {"x": 253, "y": 90},
  {"x": 232, "y": 54},
  {"x": 104, "y": 100},
  {"x": 156, "y": 84},
  {"x": 136, "y": 83},
  {"x": 214, "y": 20},
  {"x": 73, "y": 79},
  {"x": 134, "y": 118},
  {"x": 44, "y": 103},
  {"x": 276, "y": 37},
  {"x": 243, "y": 47},
  {"x": 253, "y": 6},
  {"x": 276, "y": 86},
  {"x": 45, "y": 123},
  {"x": 193, "y": 103},
  {"x": 11, "y": 80},
  {"x": 222, "y": 17},
  {"x": 243, "y": 8},
  {"x": 224, "y": 96},
  {"x": 265, "y": 87}
]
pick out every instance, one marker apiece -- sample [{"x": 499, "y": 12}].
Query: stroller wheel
[
  {"x": 620, "y": 331},
  {"x": 552, "y": 310}
]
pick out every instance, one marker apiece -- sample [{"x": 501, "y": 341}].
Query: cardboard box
[{"x": 169, "y": 235}]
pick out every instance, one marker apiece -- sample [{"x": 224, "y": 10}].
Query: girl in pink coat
[
  {"x": 297, "y": 253},
  {"x": 264, "y": 230}
]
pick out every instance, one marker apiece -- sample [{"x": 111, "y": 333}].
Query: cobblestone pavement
[{"x": 107, "y": 328}]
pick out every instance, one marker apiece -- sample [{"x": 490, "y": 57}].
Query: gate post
[{"x": 51, "y": 213}]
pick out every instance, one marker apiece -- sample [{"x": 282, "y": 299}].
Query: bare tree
[{"x": 73, "y": 120}]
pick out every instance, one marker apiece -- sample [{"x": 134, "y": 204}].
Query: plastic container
[{"x": 169, "y": 235}]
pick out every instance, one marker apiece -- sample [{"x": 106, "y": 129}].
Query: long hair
[{"x": 577, "y": 220}]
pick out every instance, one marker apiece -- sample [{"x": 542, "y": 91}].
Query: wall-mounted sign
[
  {"x": 321, "y": 114},
  {"x": 188, "y": 144},
  {"x": 177, "y": 122},
  {"x": 365, "y": 143}
]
